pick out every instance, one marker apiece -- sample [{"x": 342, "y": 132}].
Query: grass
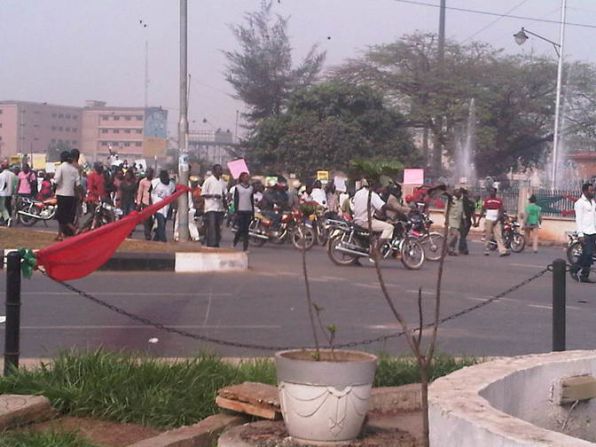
[
  {"x": 125, "y": 388},
  {"x": 42, "y": 439}
]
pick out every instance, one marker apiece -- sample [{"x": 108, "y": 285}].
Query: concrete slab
[{"x": 18, "y": 410}]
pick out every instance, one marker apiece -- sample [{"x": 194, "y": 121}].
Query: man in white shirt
[
  {"x": 585, "y": 219},
  {"x": 376, "y": 205},
  {"x": 5, "y": 191},
  {"x": 214, "y": 193},
  {"x": 161, "y": 188}
]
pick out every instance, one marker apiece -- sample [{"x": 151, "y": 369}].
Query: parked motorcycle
[
  {"x": 431, "y": 241},
  {"x": 575, "y": 248},
  {"x": 348, "y": 242},
  {"x": 30, "y": 211},
  {"x": 289, "y": 227},
  {"x": 103, "y": 214},
  {"x": 513, "y": 239}
]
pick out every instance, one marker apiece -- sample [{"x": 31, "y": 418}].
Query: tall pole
[
  {"x": 437, "y": 147},
  {"x": 183, "y": 166},
  {"x": 558, "y": 99},
  {"x": 146, "y": 73}
]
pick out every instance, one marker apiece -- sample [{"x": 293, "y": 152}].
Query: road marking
[
  {"x": 532, "y": 266},
  {"x": 140, "y": 293},
  {"x": 540, "y": 306},
  {"x": 97, "y": 327},
  {"x": 366, "y": 286},
  {"x": 208, "y": 306}
]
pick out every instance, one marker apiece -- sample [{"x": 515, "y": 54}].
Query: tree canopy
[
  {"x": 327, "y": 125},
  {"x": 262, "y": 70}
]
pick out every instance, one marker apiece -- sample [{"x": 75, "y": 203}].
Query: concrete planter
[{"x": 326, "y": 400}]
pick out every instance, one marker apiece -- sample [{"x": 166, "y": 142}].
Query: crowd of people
[{"x": 78, "y": 191}]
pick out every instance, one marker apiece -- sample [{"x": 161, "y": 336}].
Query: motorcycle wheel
[
  {"x": 302, "y": 237},
  {"x": 433, "y": 246},
  {"x": 518, "y": 243},
  {"x": 253, "y": 240},
  {"x": 412, "y": 254},
  {"x": 28, "y": 221},
  {"x": 322, "y": 236},
  {"x": 338, "y": 257},
  {"x": 574, "y": 251}
]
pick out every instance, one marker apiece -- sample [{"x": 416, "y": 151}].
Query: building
[
  {"x": 132, "y": 132},
  {"x": 30, "y": 127},
  {"x": 212, "y": 146}
]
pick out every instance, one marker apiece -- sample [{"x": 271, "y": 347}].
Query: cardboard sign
[
  {"x": 323, "y": 176},
  {"x": 340, "y": 183},
  {"x": 413, "y": 176},
  {"x": 237, "y": 167}
]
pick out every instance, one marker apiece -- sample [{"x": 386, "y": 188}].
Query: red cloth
[
  {"x": 96, "y": 187},
  {"x": 81, "y": 255}
]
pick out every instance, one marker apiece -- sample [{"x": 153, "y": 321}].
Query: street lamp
[{"x": 520, "y": 38}]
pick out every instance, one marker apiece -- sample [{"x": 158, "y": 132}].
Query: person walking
[
  {"x": 585, "y": 220},
  {"x": 214, "y": 193},
  {"x": 532, "y": 222},
  {"x": 161, "y": 188},
  {"x": 5, "y": 191},
  {"x": 26, "y": 180},
  {"x": 454, "y": 220},
  {"x": 128, "y": 190},
  {"x": 245, "y": 208},
  {"x": 467, "y": 221},
  {"x": 493, "y": 211},
  {"x": 67, "y": 180},
  {"x": 144, "y": 200}
]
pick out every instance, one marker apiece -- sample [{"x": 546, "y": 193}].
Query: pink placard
[
  {"x": 413, "y": 176},
  {"x": 237, "y": 167}
]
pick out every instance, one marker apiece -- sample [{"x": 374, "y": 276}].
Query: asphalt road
[{"x": 266, "y": 306}]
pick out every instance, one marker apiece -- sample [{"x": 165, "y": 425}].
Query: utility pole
[
  {"x": 146, "y": 73},
  {"x": 437, "y": 158},
  {"x": 183, "y": 166},
  {"x": 558, "y": 96}
]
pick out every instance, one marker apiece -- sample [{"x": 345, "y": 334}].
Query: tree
[
  {"x": 262, "y": 72},
  {"x": 328, "y": 124}
]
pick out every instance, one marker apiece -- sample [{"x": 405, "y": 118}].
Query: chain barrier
[{"x": 369, "y": 341}]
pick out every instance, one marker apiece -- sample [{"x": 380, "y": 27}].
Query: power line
[
  {"x": 484, "y": 28},
  {"x": 496, "y": 14}
]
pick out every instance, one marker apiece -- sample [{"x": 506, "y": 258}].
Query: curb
[{"x": 178, "y": 262}]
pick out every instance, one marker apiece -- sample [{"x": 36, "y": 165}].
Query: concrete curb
[
  {"x": 208, "y": 261},
  {"x": 17, "y": 410},
  {"x": 202, "y": 434}
]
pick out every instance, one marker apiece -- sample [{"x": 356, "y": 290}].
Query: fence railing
[{"x": 556, "y": 203}]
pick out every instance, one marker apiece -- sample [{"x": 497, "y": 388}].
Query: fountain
[{"x": 464, "y": 169}]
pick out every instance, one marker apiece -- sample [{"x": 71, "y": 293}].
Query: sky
[{"x": 68, "y": 51}]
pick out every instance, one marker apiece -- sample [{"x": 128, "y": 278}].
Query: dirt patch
[
  {"x": 97, "y": 432},
  {"x": 34, "y": 239}
]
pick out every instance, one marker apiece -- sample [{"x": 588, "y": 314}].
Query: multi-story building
[
  {"x": 29, "y": 127},
  {"x": 212, "y": 146},
  {"x": 132, "y": 132}
]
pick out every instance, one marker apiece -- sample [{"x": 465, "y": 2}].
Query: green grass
[
  {"x": 45, "y": 439},
  {"x": 125, "y": 388}
]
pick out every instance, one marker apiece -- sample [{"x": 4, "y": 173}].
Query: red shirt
[
  {"x": 492, "y": 207},
  {"x": 96, "y": 187}
]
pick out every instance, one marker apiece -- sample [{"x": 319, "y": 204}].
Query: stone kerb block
[{"x": 18, "y": 410}]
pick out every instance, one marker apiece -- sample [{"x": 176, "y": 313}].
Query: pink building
[{"x": 29, "y": 127}]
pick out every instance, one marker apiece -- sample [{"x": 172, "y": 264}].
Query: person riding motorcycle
[
  {"x": 395, "y": 210},
  {"x": 275, "y": 199}
]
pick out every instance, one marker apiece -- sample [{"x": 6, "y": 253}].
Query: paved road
[{"x": 266, "y": 306}]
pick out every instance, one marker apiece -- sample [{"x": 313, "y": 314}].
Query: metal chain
[{"x": 353, "y": 344}]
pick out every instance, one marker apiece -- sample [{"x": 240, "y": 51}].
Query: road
[{"x": 266, "y": 306}]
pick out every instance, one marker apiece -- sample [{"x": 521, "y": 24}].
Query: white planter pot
[{"x": 326, "y": 400}]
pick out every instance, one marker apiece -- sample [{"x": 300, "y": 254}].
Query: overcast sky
[{"x": 67, "y": 51}]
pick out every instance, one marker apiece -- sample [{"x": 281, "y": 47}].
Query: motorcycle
[
  {"x": 290, "y": 227},
  {"x": 103, "y": 214},
  {"x": 348, "y": 242},
  {"x": 575, "y": 248},
  {"x": 513, "y": 239},
  {"x": 431, "y": 241},
  {"x": 29, "y": 211}
]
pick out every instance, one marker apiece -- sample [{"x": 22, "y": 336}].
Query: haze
[{"x": 66, "y": 51}]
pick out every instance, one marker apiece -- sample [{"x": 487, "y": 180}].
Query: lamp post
[
  {"x": 520, "y": 38},
  {"x": 183, "y": 166}
]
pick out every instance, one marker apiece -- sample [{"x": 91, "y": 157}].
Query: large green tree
[
  {"x": 327, "y": 125},
  {"x": 262, "y": 71}
]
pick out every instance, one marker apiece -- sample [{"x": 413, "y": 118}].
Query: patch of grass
[
  {"x": 123, "y": 388},
  {"x": 396, "y": 371},
  {"x": 42, "y": 439},
  {"x": 130, "y": 388}
]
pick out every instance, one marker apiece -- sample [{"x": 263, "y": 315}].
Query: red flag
[{"x": 81, "y": 255}]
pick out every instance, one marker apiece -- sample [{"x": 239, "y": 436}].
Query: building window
[
  {"x": 127, "y": 117},
  {"x": 138, "y": 144},
  {"x": 0, "y": 111},
  {"x": 67, "y": 116},
  {"x": 105, "y": 117},
  {"x": 127, "y": 144},
  {"x": 60, "y": 115},
  {"x": 53, "y": 115},
  {"x": 53, "y": 127},
  {"x": 60, "y": 128},
  {"x": 74, "y": 129},
  {"x": 0, "y": 125},
  {"x": 67, "y": 129},
  {"x": 104, "y": 130},
  {"x": 126, "y": 130},
  {"x": 139, "y": 130},
  {"x": 116, "y": 118},
  {"x": 116, "y": 131},
  {"x": 53, "y": 140},
  {"x": 139, "y": 117},
  {"x": 74, "y": 142}
]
